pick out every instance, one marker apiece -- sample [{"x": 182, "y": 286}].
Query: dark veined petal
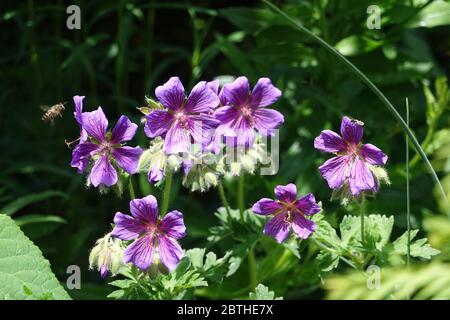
[
  {"x": 265, "y": 120},
  {"x": 157, "y": 123},
  {"x": 95, "y": 124},
  {"x": 308, "y": 204},
  {"x": 155, "y": 175},
  {"x": 266, "y": 206},
  {"x": 124, "y": 130},
  {"x": 177, "y": 139},
  {"x": 103, "y": 173},
  {"x": 202, "y": 128},
  {"x": 127, "y": 158},
  {"x": 237, "y": 93},
  {"x": 226, "y": 114},
  {"x": 264, "y": 93},
  {"x": 169, "y": 251},
  {"x": 373, "y": 155},
  {"x": 126, "y": 227},
  {"x": 278, "y": 227},
  {"x": 352, "y": 130},
  {"x": 243, "y": 134},
  {"x": 287, "y": 193},
  {"x": 335, "y": 171},
  {"x": 172, "y": 225},
  {"x": 171, "y": 94},
  {"x": 78, "y": 101},
  {"x": 140, "y": 252},
  {"x": 82, "y": 154},
  {"x": 214, "y": 86},
  {"x": 301, "y": 226},
  {"x": 145, "y": 210},
  {"x": 330, "y": 141},
  {"x": 361, "y": 178},
  {"x": 201, "y": 99}
]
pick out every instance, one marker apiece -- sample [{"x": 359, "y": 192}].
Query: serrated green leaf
[
  {"x": 262, "y": 293},
  {"x": 24, "y": 272},
  {"x": 419, "y": 248}
]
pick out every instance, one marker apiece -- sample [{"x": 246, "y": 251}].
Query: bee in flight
[{"x": 52, "y": 112}]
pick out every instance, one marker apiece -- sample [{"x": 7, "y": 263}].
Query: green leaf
[
  {"x": 37, "y": 218},
  {"x": 433, "y": 15},
  {"x": 419, "y": 248},
  {"x": 263, "y": 293},
  {"x": 24, "y": 272},
  {"x": 355, "y": 45},
  {"x": 24, "y": 201}
]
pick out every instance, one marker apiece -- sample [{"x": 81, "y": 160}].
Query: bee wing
[{"x": 45, "y": 108}]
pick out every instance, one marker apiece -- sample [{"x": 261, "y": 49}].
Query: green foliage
[
  {"x": 24, "y": 272},
  {"x": 263, "y": 293},
  {"x": 426, "y": 282},
  {"x": 194, "y": 271}
]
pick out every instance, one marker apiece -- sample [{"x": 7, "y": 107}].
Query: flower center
[
  {"x": 105, "y": 148},
  {"x": 182, "y": 119},
  {"x": 246, "y": 111}
]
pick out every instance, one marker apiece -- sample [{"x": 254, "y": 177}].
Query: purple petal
[
  {"x": 264, "y": 93},
  {"x": 329, "y": 141},
  {"x": 145, "y": 210},
  {"x": 127, "y": 158},
  {"x": 172, "y": 225},
  {"x": 103, "y": 173},
  {"x": 214, "y": 86},
  {"x": 226, "y": 114},
  {"x": 237, "y": 93},
  {"x": 157, "y": 123},
  {"x": 335, "y": 171},
  {"x": 177, "y": 139},
  {"x": 81, "y": 155},
  {"x": 104, "y": 271},
  {"x": 201, "y": 99},
  {"x": 95, "y": 124},
  {"x": 202, "y": 128},
  {"x": 302, "y": 226},
  {"x": 373, "y": 155},
  {"x": 266, "y": 206},
  {"x": 278, "y": 227},
  {"x": 361, "y": 178},
  {"x": 78, "y": 101},
  {"x": 243, "y": 134},
  {"x": 266, "y": 120},
  {"x": 352, "y": 130},
  {"x": 286, "y": 193},
  {"x": 140, "y": 252},
  {"x": 124, "y": 130},
  {"x": 171, "y": 94},
  {"x": 169, "y": 251},
  {"x": 155, "y": 175},
  {"x": 126, "y": 227},
  {"x": 308, "y": 205}
]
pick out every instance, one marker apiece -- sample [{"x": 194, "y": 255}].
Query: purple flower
[
  {"x": 353, "y": 161},
  {"x": 245, "y": 111},
  {"x": 149, "y": 232},
  {"x": 105, "y": 148},
  {"x": 288, "y": 212},
  {"x": 184, "y": 119}
]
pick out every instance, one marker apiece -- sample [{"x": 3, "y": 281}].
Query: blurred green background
[{"x": 126, "y": 48}]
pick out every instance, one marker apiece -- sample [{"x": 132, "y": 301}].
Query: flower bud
[{"x": 106, "y": 256}]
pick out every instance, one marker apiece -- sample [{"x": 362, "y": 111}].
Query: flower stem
[
  {"x": 362, "y": 211},
  {"x": 131, "y": 188},
  {"x": 167, "y": 188},
  {"x": 252, "y": 269},
  {"x": 223, "y": 198},
  {"x": 240, "y": 198},
  {"x": 408, "y": 208}
]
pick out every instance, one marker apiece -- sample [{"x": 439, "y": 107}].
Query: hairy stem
[
  {"x": 408, "y": 208},
  {"x": 362, "y": 212},
  {"x": 167, "y": 188},
  {"x": 131, "y": 188},
  {"x": 252, "y": 269},
  {"x": 371, "y": 86},
  {"x": 240, "y": 197},
  {"x": 223, "y": 198}
]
